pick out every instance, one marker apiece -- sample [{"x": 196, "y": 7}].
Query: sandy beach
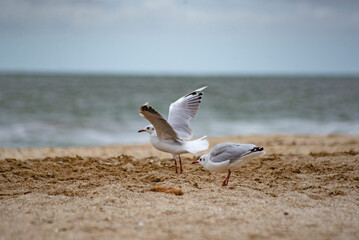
[{"x": 305, "y": 187}]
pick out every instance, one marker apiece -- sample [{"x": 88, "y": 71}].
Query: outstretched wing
[
  {"x": 230, "y": 151},
  {"x": 184, "y": 109},
  {"x": 163, "y": 129}
]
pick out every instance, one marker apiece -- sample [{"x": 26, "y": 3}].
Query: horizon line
[{"x": 176, "y": 74}]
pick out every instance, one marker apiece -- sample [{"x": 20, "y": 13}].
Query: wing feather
[
  {"x": 184, "y": 109},
  {"x": 163, "y": 128},
  {"x": 229, "y": 151}
]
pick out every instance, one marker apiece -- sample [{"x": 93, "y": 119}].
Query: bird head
[
  {"x": 201, "y": 160},
  {"x": 150, "y": 129}
]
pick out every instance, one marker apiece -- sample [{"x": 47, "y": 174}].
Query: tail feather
[{"x": 197, "y": 145}]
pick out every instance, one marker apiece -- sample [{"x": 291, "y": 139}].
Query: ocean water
[{"x": 80, "y": 110}]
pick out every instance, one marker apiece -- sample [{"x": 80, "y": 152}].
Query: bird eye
[{"x": 148, "y": 128}]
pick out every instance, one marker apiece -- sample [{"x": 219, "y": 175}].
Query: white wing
[{"x": 184, "y": 109}]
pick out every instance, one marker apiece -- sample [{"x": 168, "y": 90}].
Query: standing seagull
[
  {"x": 168, "y": 136},
  {"x": 229, "y": 156}
]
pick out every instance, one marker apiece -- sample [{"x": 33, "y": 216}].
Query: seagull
[
  {"x": 229, "y": 156},
  {"x": 172, "y": 136}
]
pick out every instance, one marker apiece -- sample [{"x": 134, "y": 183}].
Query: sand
[{"x": 305, "y": 187}]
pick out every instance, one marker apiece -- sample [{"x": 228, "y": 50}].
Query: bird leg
[
  {"x": 225, "y": 182},
  {"x": 180, "y": 161},
  {"x": 174, "y": 159}
]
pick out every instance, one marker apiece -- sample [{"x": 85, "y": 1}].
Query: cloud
[
  {"x": 177, "y": 17},
  {"x": 175, "y": 35}
]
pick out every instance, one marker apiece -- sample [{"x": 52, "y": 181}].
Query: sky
[{"x": 180, "y": 36}]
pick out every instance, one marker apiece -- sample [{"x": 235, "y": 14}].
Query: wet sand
[{"x": 305, "y": 187}]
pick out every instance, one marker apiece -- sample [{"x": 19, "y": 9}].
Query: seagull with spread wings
[{"x": 172, "y": 136}]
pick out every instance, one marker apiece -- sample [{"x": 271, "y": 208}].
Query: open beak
[
  {"x": 141, "y": 130},
  {"x": 195, "y": 162}
]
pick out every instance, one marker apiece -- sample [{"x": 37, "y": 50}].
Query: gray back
[{"x": 229, "y": 151}]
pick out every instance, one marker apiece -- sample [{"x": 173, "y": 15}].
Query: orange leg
[
  {"x": 225, "y": 182},
  {"x": 180, "y": 161},
  {"x": 174, "y": 159}
]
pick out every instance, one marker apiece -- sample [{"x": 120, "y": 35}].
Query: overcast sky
[{"x": 180, "y": 37}]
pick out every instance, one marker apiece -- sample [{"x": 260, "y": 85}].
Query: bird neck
[
  {"x": 206, "y": 160},
  {"x": 153, "y": 134}
]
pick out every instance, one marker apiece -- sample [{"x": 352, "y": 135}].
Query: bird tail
[
  {"x": 197, "y": 145},
  {"x": 254, "y": 152}
]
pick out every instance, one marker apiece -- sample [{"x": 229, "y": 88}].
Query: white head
[
  {"x": 202, "y": 159},
  {"x": 150, "y": 129}
]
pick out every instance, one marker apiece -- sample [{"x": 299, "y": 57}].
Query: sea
[{"x": 68, "y": 110}]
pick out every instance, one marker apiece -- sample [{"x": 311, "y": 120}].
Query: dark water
[{"x": 59, "y": 110}]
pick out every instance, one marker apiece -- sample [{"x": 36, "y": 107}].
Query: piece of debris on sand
[{"x": 168, "y": 190}]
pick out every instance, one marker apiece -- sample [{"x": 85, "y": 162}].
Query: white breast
[
  {"x": 217, "y": 167},
  {"x": 169, "y": 146}
]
